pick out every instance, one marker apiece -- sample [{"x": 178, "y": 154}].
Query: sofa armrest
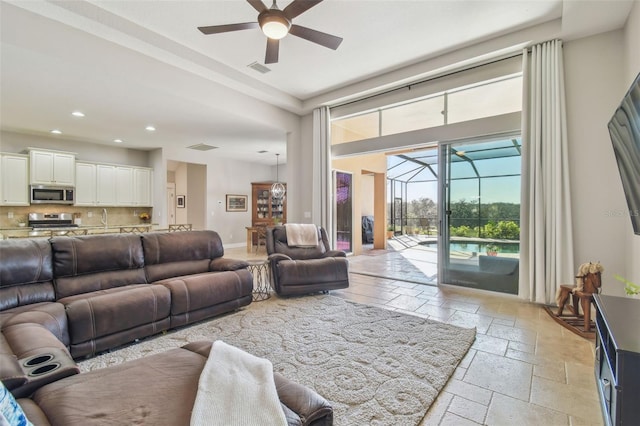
[
  {"x": 28, "y": 339},
  {"x": 30, "y": 342},
  {"x": 277, "y": 257},
  {"x": 335, "y": 253},
  {"x": 221, "y": 264},
  {"x": 312, "y": 408},
  {"x": 10, "y": 372}
]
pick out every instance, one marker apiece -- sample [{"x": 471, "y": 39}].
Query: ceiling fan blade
[
  {"x": 323, "y": 39},
  {"x": 272, "y": 51},
  {"x": 215, "y": 29},
  {"x": 257, "y": 5},
  {"x": 297, "y": 7}
]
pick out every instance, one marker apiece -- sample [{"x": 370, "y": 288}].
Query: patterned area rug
[{"x": 374, "y": 365}]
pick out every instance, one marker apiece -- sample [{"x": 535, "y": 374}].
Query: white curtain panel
[
  {"x": 322, "y": 165},
  {"x": 546, "y": 239}
]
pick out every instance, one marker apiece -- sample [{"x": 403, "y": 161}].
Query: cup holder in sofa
[
  {"x": 37, "y": 360},
  {"x": 40, "y": 364},
  {"x": 44, "y": 369}
]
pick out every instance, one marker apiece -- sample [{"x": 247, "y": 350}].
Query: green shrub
[{"x": 504, "y": 230}]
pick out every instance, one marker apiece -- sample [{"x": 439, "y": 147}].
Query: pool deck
[{"x": 406, "y": 256}]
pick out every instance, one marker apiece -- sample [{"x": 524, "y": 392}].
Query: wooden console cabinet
[
  {"x": 266, "y": 208},
  {"x": 617, "y": 365}
]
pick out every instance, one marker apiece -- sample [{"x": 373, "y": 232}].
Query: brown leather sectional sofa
[
  {"x": 77, "y": 296},
  {"x": 71, "y": 297}
]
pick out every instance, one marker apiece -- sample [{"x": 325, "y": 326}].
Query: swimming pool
[{"x": 477, "y": 246}]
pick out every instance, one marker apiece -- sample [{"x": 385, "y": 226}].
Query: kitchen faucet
[{"x": 103, "y": 219}]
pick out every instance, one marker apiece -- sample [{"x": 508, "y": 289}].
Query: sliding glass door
[{"x": 480, "y": 214}]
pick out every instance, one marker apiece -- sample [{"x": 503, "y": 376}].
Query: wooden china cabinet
[{"x": 265, "y": 208}]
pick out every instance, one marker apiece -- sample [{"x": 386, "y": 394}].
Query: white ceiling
[{"x": 127, "y": 64}]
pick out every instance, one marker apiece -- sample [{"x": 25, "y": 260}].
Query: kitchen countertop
[{"x": 29, "y": 232}]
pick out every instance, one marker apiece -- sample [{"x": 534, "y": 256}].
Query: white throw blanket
[
  {"x": 236, "y": 389},
  {"x": 301, "y": 234}
]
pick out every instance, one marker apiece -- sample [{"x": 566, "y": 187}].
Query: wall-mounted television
[{"x": 624, "y": 129}]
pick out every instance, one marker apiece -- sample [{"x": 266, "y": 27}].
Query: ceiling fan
[{"x": 276, "y": 24}]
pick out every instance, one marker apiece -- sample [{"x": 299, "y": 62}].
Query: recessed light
[
  {"x": 77, "y": 114},
  {"x": 117, "y": 140},
  {"x": 56, "y": 132},
  {"x": 150, "y": 128}
]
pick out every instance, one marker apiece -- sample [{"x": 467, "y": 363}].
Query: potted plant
[
  {"x": 492, "y": 250},
  {"x": 391, "y": 230},
  {"x": 630, "y": 288}
]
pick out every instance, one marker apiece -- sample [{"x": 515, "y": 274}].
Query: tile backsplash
[{"x": 89, "y": 216}]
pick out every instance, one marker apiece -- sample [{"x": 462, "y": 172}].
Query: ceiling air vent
[
  {"x": 262, "y": 152},
  {"x": 202, "y": 147},
  {"x": 259, "y": 67}
]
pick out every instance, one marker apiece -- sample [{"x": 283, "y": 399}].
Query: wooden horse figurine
[{"x": 588, "y": 283}]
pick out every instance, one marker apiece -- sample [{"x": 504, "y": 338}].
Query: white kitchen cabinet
[
  {"x": 86, "y": 184},
  {"x": 142, "y": 187},
  {"x": 124, "y": 186},
  {"x": 109, "y": 185},
  {"x": 14, "y": 174},
  {"x": 105, "y": 185},
  {"x": 52, "y": 168}
]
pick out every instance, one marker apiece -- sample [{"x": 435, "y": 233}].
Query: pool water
[{"x": 478, "y": 247}]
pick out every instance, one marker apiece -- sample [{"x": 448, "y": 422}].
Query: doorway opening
[
  {"x": 187, "y": 182},
  {"x": 479, "y": 244},
  {"x": 453, "y": 213}
]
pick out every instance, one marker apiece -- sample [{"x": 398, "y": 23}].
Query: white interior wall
[
  {"x": 196, "y": 205},
  {"x": 307, "y": 207},
  {"x": 13, "y": 142},
  {"x": 594, "y": 88},
  {"x": 224, "y": 176}
]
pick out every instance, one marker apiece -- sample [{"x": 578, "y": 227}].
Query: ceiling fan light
[
  {"x": 275, "y": 30},
  {"x": 274, "y": 24}
]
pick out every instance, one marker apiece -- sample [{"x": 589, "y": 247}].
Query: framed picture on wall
[
  {"x": 236, "y": 203},
  {"x": 181, "y": 201}
]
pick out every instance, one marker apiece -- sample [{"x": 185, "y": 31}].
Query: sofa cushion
[
  {"x": 26, "y": 273},
  {"x": 174, "y": 254},
  {"x": 10, "y": 374},
  {"x": 89, "y": 263},
  {"x": 115, "y": 310},
  {"x": 315, "y": 271},
  {"x": 154, "y": 390},
  {"x": 193, "y": 292}
]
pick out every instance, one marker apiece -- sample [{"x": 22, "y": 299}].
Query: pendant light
[{"x": 277, "y": 189}]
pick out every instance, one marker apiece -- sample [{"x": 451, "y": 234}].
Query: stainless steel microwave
[{"x": 45, "y": 194}]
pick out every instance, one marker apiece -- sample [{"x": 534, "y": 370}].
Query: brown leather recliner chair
[{"x": 303, "y": 270}]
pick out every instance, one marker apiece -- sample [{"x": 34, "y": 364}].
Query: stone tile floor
[{"x": 523, "y": 369}]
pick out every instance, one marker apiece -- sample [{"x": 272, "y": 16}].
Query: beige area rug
[{"x": 375, "y": 366}]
